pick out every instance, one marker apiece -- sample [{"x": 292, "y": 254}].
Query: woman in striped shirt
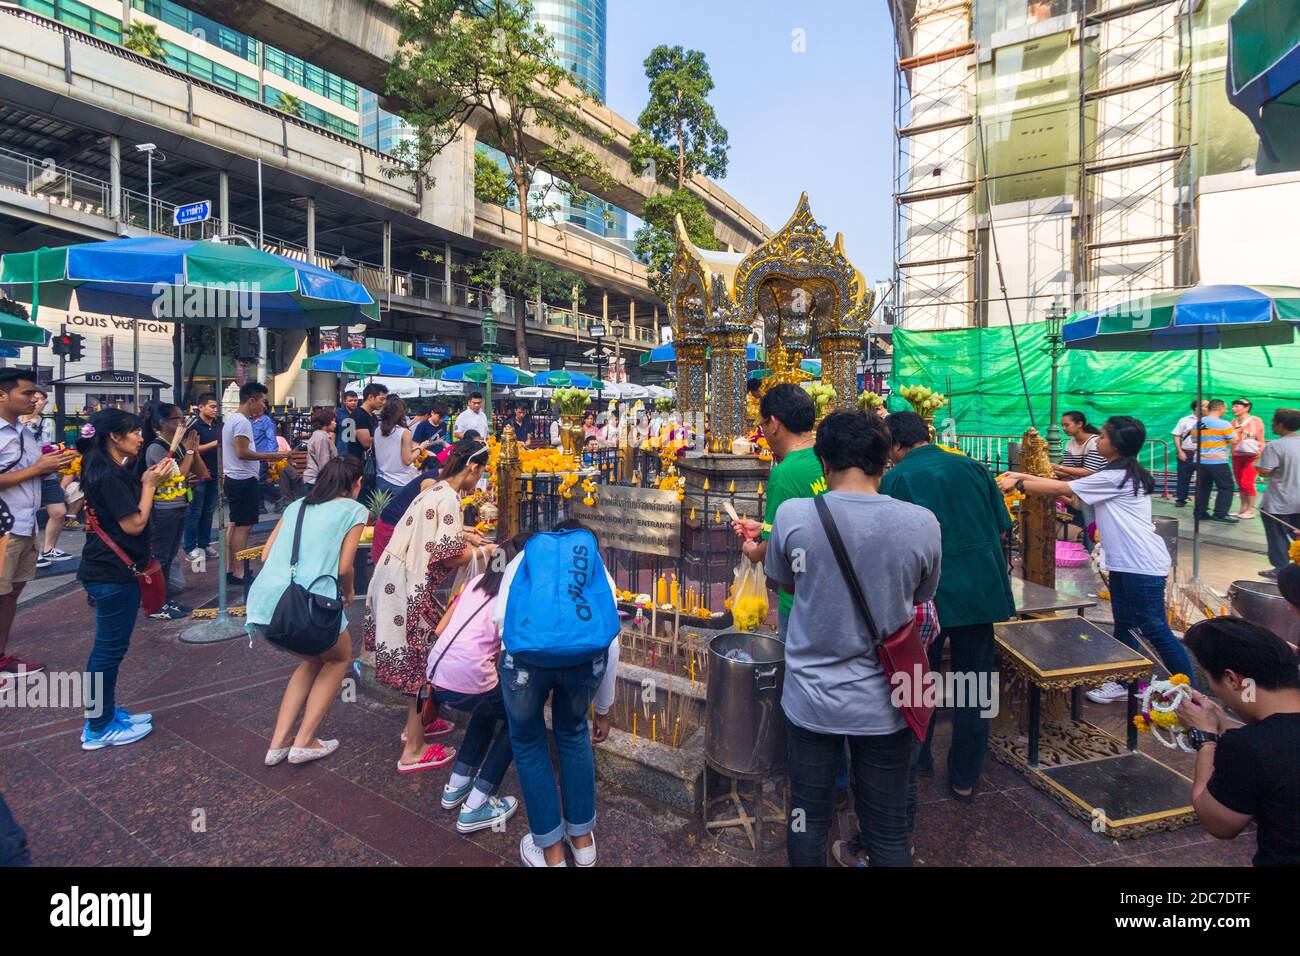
[{"x": 1080, "y": 459}]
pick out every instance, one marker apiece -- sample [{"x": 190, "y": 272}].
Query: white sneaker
[
  {"x": 532, "y": 854},
  {"x": 211, "y": 552},
  {"x": 1108, "y": 693},
  {"x": 195, "y": 554},
  {"x": 583, "y": 856}
]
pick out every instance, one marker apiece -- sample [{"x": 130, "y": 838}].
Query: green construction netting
[{"x": 976, "y": 369}]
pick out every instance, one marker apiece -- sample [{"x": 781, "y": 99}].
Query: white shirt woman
[{"x": 395, "y": 456}]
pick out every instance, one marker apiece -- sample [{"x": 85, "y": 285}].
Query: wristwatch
[
  {"x": 1199, "y": 738},
  {"x": 1020, "y": 485}
]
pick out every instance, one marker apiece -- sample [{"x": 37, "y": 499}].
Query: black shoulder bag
[{"x": 305, "y": 622}]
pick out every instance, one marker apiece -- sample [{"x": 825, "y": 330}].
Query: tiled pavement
[{"x": 196, "y": 792}]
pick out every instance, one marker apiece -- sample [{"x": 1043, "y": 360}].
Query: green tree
[
  {"x": 525, "y": 278},
  {"x": 288, "y": 103},
  {"x": 680, "y": 133},
  {"x": 143, "y": 38},
  {"x": 491, "y": 184},
  {"x": 656, "y": 241},
  {"x": 489, "y": 60}
]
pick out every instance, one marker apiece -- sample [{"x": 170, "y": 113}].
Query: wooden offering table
[{"x": 1039, "y": 729}]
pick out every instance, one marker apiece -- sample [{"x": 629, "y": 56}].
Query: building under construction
[{"x": 1067, "y": 151}]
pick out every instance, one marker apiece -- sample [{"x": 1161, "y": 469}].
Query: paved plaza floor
[{"x": 196, "y": 792}]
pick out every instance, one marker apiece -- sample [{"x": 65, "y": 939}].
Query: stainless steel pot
[
  {"x": 744, "y": 730},
  {"x": 1167, "y": 528},
  {"x": 1260, "y": 602}
]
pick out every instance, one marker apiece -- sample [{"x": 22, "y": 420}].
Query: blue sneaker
[
  {"x": 452, "y": 797},
  {"x": 494, "y": 812},
  {"x": 116, "y": 734},
  {"x": 125, "y": 716}
]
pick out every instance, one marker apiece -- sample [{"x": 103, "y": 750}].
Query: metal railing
[{"x": 995, "y": 451}]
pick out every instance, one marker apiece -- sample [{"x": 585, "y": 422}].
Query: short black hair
[
  {"x": 251, "y": 390},
  {"x": 1217, "y": 403},
  {"x": 907, "y": 429},
  {"x": 349, "y": 394},
  {"x": 753, "y": 385},
  {"x": 1197, "y": 403},
  {"x": 470, "y": 434},
  {"x": 373, "y": 389},
  {"x": 439, "y": 408},
  {"x": 1244, "y": 401},
  {"x": 791, "y": 406},
  {"x": 1288, "y": 418},
  {"x": 474, "y": 395},
  {"x": 10, "y": 377},
  {"x": 205, "y": 398},
  {"x": 1233, "y": 643},
  {"x": 853, "y": 439}
]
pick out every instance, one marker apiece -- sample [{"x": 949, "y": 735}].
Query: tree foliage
[
  {"x": 143, "y": 38},
  {"x": 656, "y": 241},
  {"x": 680, "y": 133},
  {"x": 525, "y": 278},
  {"x": 288, "y": 103},
  {"x": 489, "y": 62},
  {"x": 491, "y": 184}
]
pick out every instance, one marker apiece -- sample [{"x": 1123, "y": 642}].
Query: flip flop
[
  {"x": 439, "y": 728},
  {"x": 434, "y": 756}
]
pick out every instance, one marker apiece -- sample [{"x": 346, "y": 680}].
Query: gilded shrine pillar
[
  {"x": 839, "y": 353},
  {"x": 508, "y": 492},
  {"x": 1037, "y": 515},
  {"x": 727, "y": 375},
  {"x": 691, "y": 351}
]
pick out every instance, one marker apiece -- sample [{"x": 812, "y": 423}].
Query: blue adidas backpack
[{"x": 560, "y": 611}]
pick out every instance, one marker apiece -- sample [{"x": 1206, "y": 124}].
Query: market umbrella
[
  {"x": 562, "y": 378},
  {"x": 16, "y": 333},
  {"x": 667, "y": 353},
  {"x": 220, "y": 283},
  {"x": 481, "y": 372},
  {"x": 1200, "y": 318},
  {"x": 367, "y": 362},
  {"x": 401, "y": 387}
]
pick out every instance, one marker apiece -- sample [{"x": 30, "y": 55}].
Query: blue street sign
[
  {"x": 432, "y": 351},
  {"x": 194, "y": 212}
]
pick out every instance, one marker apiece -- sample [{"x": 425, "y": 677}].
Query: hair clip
[{"x": 87, "y": 430}]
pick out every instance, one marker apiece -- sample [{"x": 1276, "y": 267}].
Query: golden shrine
[{"x": 798, "y": 288}]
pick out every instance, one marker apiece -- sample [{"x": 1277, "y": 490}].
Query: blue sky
[{"x": 819, "y": 120}]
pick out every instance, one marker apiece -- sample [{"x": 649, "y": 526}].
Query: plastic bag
[
  {"x": 465, "y": 574},
  {"x": 749, "y": 596}
]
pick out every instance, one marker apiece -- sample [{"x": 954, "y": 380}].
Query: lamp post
[
  {"x": 345, "y": 267},
  {"x": 1055, "y": 348},
  {"x": 488, "y": 333}
]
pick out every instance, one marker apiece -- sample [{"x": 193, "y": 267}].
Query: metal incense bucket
[
  {"x": 1260, "y": 602},
  {"x": 744, "y": 731}
]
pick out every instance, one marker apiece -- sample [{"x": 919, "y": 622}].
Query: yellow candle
[
  {"x": 706, "y": 484},
  {"x": 692, "y": 514},
  {"x": 661, "y": 591},
  {"x": 634, "y": 724},
  {"x": 677, "y": 725},
  {"x": 732, "y": 487},
  {"x": 674, "y": 592},
  {"x": 760, "y": 489},
  {"x": 654, "y": 720}
]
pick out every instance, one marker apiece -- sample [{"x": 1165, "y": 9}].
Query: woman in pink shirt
[
  {"x": 1247, "y": 443},
  {"x": 463, "y": 671}
]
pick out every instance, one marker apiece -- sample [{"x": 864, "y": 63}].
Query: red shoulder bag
[{"x": 153, "y": 585}]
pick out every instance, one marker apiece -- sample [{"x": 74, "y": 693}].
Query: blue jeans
[
  {"x": 198, "y": 519},
  {"x": 525, "y": 689},
  {"x": 116, "y": 606},
  {"x": 13, "y": 841},
  {"x": 1138, "y": 603},
  {"x": 384, "y": 484},
  {"x": 880, "y": 770},
  {"x": 485, "y": 752}
]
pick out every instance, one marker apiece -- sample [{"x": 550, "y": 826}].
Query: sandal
[
  {"x": 439, "y": 728},
  {"x": 434, "y": 756}
]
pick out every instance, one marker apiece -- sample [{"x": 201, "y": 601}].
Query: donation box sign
[{"x": 645, "y": 520}]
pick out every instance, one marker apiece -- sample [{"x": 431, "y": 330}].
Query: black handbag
[{"x": 305, "y": 622}]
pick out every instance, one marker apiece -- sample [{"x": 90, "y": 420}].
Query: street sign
[
  {"x": 425, "y": 351},
  {"x": 596, "y": 330},
  {"x": 194, "y": 212}
]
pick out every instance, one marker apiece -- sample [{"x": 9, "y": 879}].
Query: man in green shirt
[
  {"x": 974, "y": 588},
  {"x": 787, "y": 415}
]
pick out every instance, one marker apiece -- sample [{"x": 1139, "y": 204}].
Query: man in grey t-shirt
[
  {"x": 835, "y": 687},
  {"x": 1280, "y": 464}
]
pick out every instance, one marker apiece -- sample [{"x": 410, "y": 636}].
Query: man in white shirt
[
  {"x": 1280, "y": 464},
  {"x": 1185, "y": 444},
  {"x": 22, "y": 466},
  {"x": 242, "y": 470},
  {"x": 472, "y": 419}
]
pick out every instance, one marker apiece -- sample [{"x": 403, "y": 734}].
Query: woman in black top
[{"x": 120, "y": 504}]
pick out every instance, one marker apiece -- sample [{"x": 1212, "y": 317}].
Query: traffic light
[
  {"x": 69, "y": 345},
  {"x": 246, "y": 349}
]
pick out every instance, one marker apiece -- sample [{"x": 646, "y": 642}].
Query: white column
[
  {"x": 223, "y": 202},
  {"x": 311, "y": 230},
  {"x": 115, "y": 176},
  {"x": 446, "y": 273}
]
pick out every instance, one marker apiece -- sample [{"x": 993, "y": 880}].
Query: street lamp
[
  {"x": 1055, "y": 348},
  {"x": 148, "y": 150},
  {"x": 488, "y": 335}
]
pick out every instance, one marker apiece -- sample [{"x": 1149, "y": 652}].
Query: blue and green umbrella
[
  {"x": 366, "y": 363},
  {"x": 667, "y": 353},
  {"x": 480, "y": 373},
  {"x": 562, "y": 378}
]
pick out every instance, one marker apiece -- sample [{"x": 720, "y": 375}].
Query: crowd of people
[{"x": 500, "y": 631}]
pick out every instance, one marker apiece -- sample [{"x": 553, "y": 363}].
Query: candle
[
  {"x": 654, "y": 721},
  {"x": 706, "y": 484},
  {"x": 692, "y": 514},
  {"x": 674, "y": 592},
  {"x": 634, "y": 725},
  {"x": 661, "y": 590},
  {"x": 677, "y": 725},
  {"x": 732, "y": 487}
]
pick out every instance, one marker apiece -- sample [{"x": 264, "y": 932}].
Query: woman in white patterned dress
[{"x": 407, "y": 596}]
